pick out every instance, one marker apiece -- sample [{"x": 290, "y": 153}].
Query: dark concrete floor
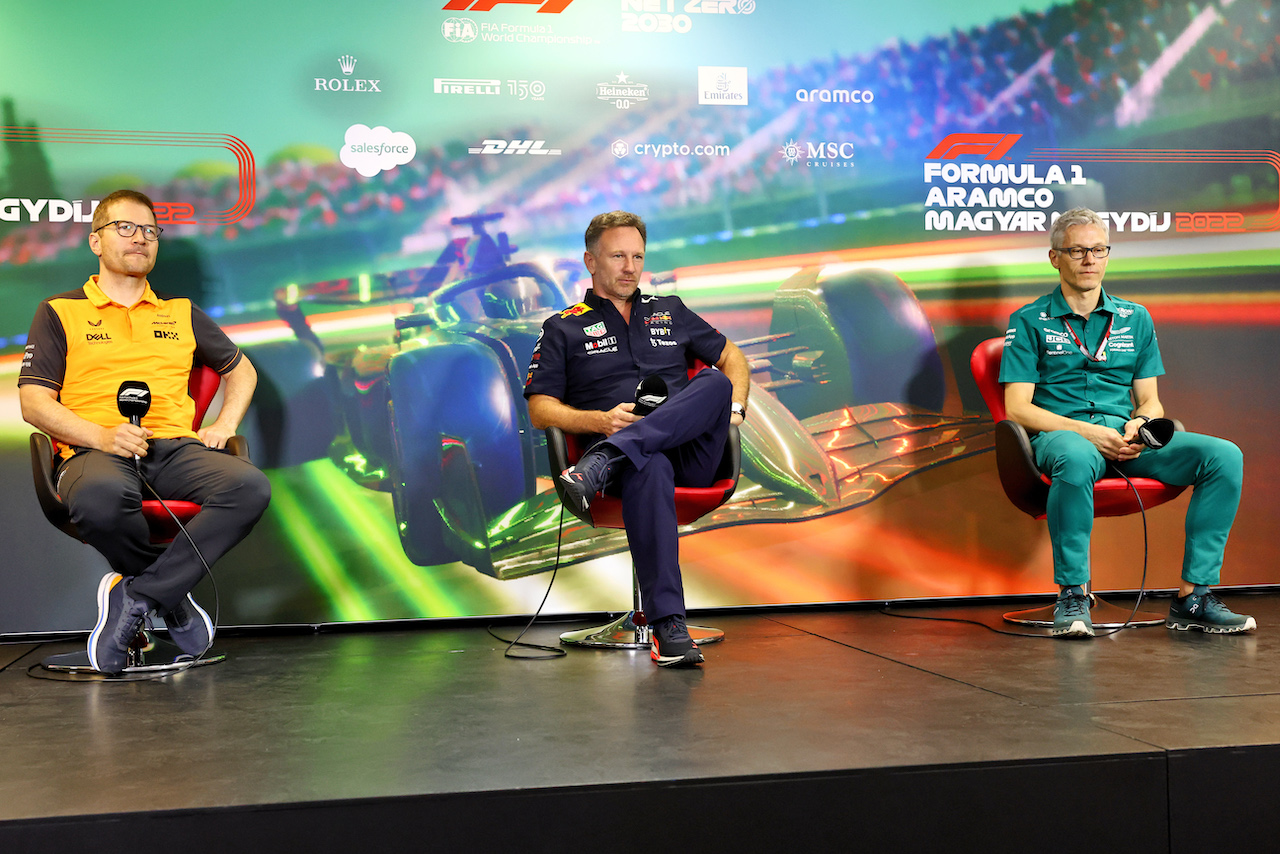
[{"x": 331, "y": 716}]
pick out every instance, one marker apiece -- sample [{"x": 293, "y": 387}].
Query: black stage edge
[{"x": 806, "y": 731}]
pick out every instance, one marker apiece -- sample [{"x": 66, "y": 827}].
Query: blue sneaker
[
  {"x": 1071, "y": 614},
  {"x": 120, "y": 617},
  {"x": 672, "y": 646},
  {"x": 590, "y": 475},
  {"x": 190, "y": 627},
  {"x": 1203, "y": 610}
]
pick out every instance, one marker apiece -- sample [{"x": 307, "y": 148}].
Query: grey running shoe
[
  {"x": 119, "y": 618},
  {"x": 1203, "y": 610},
  {"x": 190, "y": 627},
  {"x": 672, "y": 646},
  {"x": 1071, "y": 614}
]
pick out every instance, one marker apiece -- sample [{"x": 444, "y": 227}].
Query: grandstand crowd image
[{"x": 382, "y": 214}]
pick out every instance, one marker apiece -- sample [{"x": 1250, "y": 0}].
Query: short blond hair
[{"x": 103, "y": 210}]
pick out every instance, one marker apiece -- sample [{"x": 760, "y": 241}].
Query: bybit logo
[{"x": 346, "y": 83}]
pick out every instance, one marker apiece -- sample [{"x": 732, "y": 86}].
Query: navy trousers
[{"x": 681, "y": 443}]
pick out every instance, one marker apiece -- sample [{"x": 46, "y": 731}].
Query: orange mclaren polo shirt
[{"x": 82, "y": 345}]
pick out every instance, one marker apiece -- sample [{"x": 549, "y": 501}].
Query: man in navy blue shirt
[{"x": 583, "y": 377}]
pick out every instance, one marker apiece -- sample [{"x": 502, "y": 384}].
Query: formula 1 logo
[
  {"x": 553, "y": 7},
  {"x": 991, "y": 146}
]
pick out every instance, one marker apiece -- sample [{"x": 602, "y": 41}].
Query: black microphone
[
  {"x": 650, "y": 394},
  {"x": 1156, "y": 433},
  {"x": 133, "y": 400}
]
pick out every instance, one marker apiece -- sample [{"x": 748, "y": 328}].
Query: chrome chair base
[{"x": 626, "y": 633}]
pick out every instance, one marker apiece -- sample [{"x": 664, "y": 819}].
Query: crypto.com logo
[
  {"x": 167, "y": 213},
  {"x": 991, "y": 146},
  {"x": 545, "y": 6}
]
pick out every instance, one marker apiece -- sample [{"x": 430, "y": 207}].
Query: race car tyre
[
  {"x": 293, "y": 418},
  {"x": 862, "y": 337},
  {"x": 453, "y": 390}
]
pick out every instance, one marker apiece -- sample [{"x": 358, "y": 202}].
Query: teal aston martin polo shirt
[{"x": 1043, "y": 345}]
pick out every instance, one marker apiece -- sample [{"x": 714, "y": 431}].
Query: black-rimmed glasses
[
  {"x": 126, "y": 229},
  {"x": 1077, "y": 253}
]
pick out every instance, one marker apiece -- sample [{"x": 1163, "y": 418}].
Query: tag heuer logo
[{"x": 595, "y": 330}]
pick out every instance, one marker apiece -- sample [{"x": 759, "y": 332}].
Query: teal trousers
[{"x": 1213, "y": 467}]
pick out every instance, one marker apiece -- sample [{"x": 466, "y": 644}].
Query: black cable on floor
[
  {"x": 513, "y": 645},
  {"x": 1142, "y": 589}
]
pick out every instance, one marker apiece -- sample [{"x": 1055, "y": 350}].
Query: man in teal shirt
[{"x": 1079, "y": 372}]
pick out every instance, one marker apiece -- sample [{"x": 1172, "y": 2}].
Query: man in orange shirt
[{"x": 83, "y": 344}]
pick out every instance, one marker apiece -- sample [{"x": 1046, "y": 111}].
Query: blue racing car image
[{"x": 846, "y": 401}]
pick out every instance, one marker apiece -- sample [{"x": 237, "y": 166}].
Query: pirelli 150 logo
[
  {"x": 167, "y": 213},
  {"x": 974, "y": 183}
]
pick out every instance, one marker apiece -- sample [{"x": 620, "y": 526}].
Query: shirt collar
[
  {"x": 101, "y": 300},
  {"x": 1058, "y": 304},
  {"x": 594, "y": 300}
]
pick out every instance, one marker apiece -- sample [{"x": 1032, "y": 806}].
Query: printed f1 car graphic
[{"x": 846, "y": 400}]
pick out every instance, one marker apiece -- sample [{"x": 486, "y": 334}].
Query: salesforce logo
[{"x": 372, "y": 150}]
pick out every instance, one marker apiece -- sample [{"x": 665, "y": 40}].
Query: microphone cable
[
  {"x": 1128, "y": 622},
  {"x": 546, "y": 652},
  {"x": 208, "y": 571}
]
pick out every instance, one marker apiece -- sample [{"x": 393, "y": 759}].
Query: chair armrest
[
  {"x": 1026, "y": 485},
  {"x": 557, "y": 450},
  {"x": 46, "y": 493},
  {"x": 239, "y": 446}
]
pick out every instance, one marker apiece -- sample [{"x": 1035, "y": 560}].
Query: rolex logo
[{"x": 347, "y": 83}]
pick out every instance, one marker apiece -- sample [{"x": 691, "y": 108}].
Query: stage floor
[{"x": 905, "y": 731}]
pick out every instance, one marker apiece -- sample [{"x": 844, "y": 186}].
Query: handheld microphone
[
  {"x": 1156, "y": 433},
  {"x": 650, "y": 394},
  {"x": 133, "y": 400}
]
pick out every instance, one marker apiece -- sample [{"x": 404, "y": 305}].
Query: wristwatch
[{"x": 739, "y": 409}]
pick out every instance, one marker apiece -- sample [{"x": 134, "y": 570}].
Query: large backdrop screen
[{"x": 381, "y": 202}]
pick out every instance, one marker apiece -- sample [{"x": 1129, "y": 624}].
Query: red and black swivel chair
[
  {"x": 1028, "y": 487},
  {"x": 632, "y": 630},
  {"x": 202, "y": 387}
]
